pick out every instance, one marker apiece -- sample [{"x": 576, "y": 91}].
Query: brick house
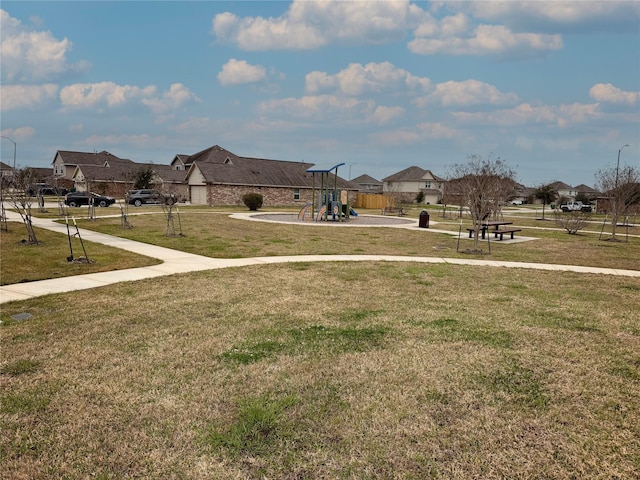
[
  {"x": 109, "y": 174},
  {"x": 219, "y": 177},
  {"x": 65, "y": 163}
]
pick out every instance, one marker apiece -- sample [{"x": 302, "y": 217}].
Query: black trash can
[{"x": 423, "y": 222}]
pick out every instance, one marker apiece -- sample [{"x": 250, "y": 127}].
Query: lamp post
[
  {"x": 14, "y": 152},
  {"x": 618, "y": 164},
  {"x": 350, "y": 165}
]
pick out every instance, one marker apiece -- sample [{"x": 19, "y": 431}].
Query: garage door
[{"x": 199, "y": 195}]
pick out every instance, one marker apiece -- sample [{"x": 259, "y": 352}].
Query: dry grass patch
[
  {"x": 26, "y": 263},
  {"x": 362, "y": 370}
]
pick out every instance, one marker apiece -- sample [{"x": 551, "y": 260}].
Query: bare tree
[
  {"x": 572, "y": 221},
  {"x": 20, "y": 199},
  {"x": 168, "y": 201},
  {"x": 621, "y": 186},
  {"x": 481, "y": 184}
]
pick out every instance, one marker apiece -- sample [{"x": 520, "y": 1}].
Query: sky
[{"x": 551, "y": 88}]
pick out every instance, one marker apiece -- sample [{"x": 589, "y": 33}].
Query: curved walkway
[{"x": 175, "y": 261}]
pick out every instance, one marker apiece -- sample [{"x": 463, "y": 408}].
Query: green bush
[{"x": 252, "y": 200}]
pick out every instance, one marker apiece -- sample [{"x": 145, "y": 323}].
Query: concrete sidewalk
[{"x": 175, "y": 261}]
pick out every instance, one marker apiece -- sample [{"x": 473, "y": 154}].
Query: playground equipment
[{"x": 332, "y": 203}]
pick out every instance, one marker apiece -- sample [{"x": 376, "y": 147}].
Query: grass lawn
[
  {"x": 212, "y": 233},
  {"x": 20, "y": 262},
  {"x": 330, "y": 370}
]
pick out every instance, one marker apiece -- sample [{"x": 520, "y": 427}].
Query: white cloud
[
  {"x": 31, "y": 56},
  {"x": 24, "y": 96},
  {"x": 177, "y": 96},
  {"x": 85, "y": 95},
  {"x": 320, "y": 107},
  {"x": 436, "y": 130},
  {"x": 239, "y": 72},
  {"x": 21, "y": 133},
  {"x": 559, "y": 16},
  {"x": 384, "y": 115},
  {"x": 397, "y": 137},
  {"x": 527, "y": 114},
  {"x": 109, "y": 94},
  {"x": 358, "y": 79},
  {"x": 605, "y": 92},
  {"x": 516, "y": 29},
  {"x": 307, "y": 25},
  {"x": 139, "y": 141},
  {"x": 468, "y": 92},
  {"x": 494, "y": 40}
]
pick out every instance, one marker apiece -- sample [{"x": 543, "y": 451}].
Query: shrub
[
  {"x": 572, "y": 221},
  {"x": 252, "y": 200}
]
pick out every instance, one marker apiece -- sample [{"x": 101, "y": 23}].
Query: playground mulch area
[{"x": 360, "y": 220}]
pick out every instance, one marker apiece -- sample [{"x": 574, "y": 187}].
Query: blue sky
[{"x": 552, "y": 88}]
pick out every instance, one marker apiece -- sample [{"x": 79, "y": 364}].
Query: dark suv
[
  {"x": 75, "y": 199},
  {"x": 45, "y": 189},
  {"x": 146, "y": 195}
]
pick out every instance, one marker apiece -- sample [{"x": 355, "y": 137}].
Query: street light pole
[
  {"x": 618, "y": 164},
  {"x": 350, "y": 165},
  {"x": 14, "y": 152}
]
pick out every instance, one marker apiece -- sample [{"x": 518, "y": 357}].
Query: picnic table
[{"x": 497, "y": 231}]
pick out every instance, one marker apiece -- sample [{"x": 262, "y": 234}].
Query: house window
[
  {"x": 296, "y": 194},
  {"x": 427, "y": 185}
]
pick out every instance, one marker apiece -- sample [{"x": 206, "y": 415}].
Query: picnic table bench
[
  {"x": 393, "y": 210},
  {"x": 506, "y": 230},
  {"x": 497, "y": 231}
]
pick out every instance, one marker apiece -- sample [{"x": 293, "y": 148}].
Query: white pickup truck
[{"x": 575, "y": 207}]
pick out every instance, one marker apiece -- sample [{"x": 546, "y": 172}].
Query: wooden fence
[{"x": 373, "y": 201}]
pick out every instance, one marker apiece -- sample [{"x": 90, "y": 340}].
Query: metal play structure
[{"x": 331, "y": 203}]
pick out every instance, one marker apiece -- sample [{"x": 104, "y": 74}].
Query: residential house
[
  {"x": 168, "y": 179},
  {"x": 523, "y": 194},
  {"x": 565, "y": 191},
  {"x": 6, "y": 170},
  {"x": 220, "y": 177},
  {"x": 367, "y": 184},
  {"x": 181, "y": 162},
  {"x": 106, "y": 173},
  {"x": 114, "y": 178},
  {"x": 65, "y": 161},
  {"x": 406, "y": 184},
  {"x": 586, "y": 191}
]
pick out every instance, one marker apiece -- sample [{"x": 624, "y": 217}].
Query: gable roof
[
  {"x": 257, "y": 172},
  {"x": 215, "y": 154},
  {"x": 366, "y": 180},
  {"x": 585, "y": 189},
  {"x": 165, "y": 173},
  {"x": 222, "y": 167},
  {"x": 88, "y": 158},
  {"x": 116, "y": 172},
  {"x": 410, "y": 174},
  {"x": 560, "y": 186}
]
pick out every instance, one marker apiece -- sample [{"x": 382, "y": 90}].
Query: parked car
[
  {"x": 575, "y": 206},
  {"x": 45, "y": 189},
  {"x": 75, "y": 199},
  {"x": 147, "y": 195}
]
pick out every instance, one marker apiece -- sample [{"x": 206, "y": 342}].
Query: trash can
[{"x": 423, "y": 222}]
